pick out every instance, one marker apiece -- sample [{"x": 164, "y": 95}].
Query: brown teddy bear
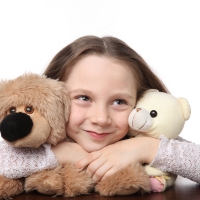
[{"x": 33, "y": 112}]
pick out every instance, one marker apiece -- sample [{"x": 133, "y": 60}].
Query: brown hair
[{"x": 110, "y": 47}]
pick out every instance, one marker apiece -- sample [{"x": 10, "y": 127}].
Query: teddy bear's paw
[
  {"x": 158, "y": 184},
  {"x": 76, "y": 181},
  {"x": 127, "y": 181},
  {"x": 47, "y": 182},
  {"x": 10, "y": 187}
]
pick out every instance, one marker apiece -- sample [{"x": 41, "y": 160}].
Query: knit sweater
[
  {"x": 179, "y": 157},
  {"x": 22, "y": 162}
]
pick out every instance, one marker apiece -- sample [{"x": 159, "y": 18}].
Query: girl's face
[{"x": 103, "y": 93}]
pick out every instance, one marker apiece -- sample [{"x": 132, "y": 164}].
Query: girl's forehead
[
  {"x": 101, "y": 65},
  {"x": 102, "y": 75}
]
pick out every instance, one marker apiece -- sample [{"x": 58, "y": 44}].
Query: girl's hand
[
  {"x": 114, "y": 157},
  {"x": 68, "y": 152}
]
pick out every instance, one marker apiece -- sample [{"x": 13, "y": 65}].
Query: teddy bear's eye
[
  {"x": 29, "y": 109},
  {"x": 153, "y": 113},
  {"x": 12, "y": 110}
]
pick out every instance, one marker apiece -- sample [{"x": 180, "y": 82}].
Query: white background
[{"x": 165, "y": 33}]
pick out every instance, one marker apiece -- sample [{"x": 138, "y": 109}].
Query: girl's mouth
[{"x": 97, "y": 136}]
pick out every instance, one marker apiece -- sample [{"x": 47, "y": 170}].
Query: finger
[
  {"x": 94, "y": 166},
  {"x": 88, "y": 159},
  {"x": 110, "y": 172},
  {"x": 101, "y": 172}
]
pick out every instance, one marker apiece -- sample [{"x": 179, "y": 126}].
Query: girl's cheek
[
  {"x": 76, "y": 116},
  {"x": 122, "y": 121}
]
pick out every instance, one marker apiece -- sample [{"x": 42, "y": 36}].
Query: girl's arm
[
  {"x": 179, "y": 157},
  {"x": 68, "y": 152},
  {"x": 22, "y": 162},
  {"x": 112, "y": 158}
]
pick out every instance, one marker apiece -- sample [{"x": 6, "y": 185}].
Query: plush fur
[
  {"x": 66, "y": 180},
  {"x": 10, "y": 187},
  {"x": 46, "y": 104},
  {"x": 125, "y": 182},
  {"x": 48, "y": 97}
]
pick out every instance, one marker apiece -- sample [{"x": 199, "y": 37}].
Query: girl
[{"x": 105, "y": 77}]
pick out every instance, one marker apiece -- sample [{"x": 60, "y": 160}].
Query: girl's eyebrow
[
  {"x": 79, "y": 90},
  {"x": 117, "y": 95},
  {"x": 124, "y": 94}
]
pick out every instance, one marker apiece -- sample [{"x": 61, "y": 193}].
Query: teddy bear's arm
[
  {"x": 66, "y": 180},
  {"x": 10, "y": 187},
  {"x": 129, "y": 180}
]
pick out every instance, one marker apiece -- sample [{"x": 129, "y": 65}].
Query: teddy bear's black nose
[{"x": 15, "y": 126}]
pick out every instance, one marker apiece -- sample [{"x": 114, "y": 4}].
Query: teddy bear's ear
[
  {"x": 66, "y": 102},
  {"x": 185, "y": 107},
  {"x": 61, "y": 108},
  {"x": 5, "y": 102}
]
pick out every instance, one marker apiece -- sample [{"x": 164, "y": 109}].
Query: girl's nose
[{"x": 100, "y": 116}]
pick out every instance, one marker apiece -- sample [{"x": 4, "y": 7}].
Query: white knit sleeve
[
  {"x": 22, "y": 162},
  {"x": 179, "y": 157}
]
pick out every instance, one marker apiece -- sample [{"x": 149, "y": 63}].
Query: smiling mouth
[{"x": 97, "y": 135}]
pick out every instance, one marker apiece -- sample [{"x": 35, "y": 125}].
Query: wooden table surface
[{"x": 183, "y": 189}]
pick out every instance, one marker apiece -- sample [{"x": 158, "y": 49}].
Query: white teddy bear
[{"x": 158, "y": 113}]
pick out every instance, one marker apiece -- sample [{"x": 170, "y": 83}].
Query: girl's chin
[{"x": 90, "y": 149}]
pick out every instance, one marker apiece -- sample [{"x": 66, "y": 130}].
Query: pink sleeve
[{"x": 179, "y": 157}]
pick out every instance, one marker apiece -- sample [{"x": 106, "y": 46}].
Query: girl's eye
[
  {"x": 83, "y": 98},
  {"x": 119, "y": 102},
  {"x": 12, "y": 110},
  {"x": 29, "y": 109}
]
